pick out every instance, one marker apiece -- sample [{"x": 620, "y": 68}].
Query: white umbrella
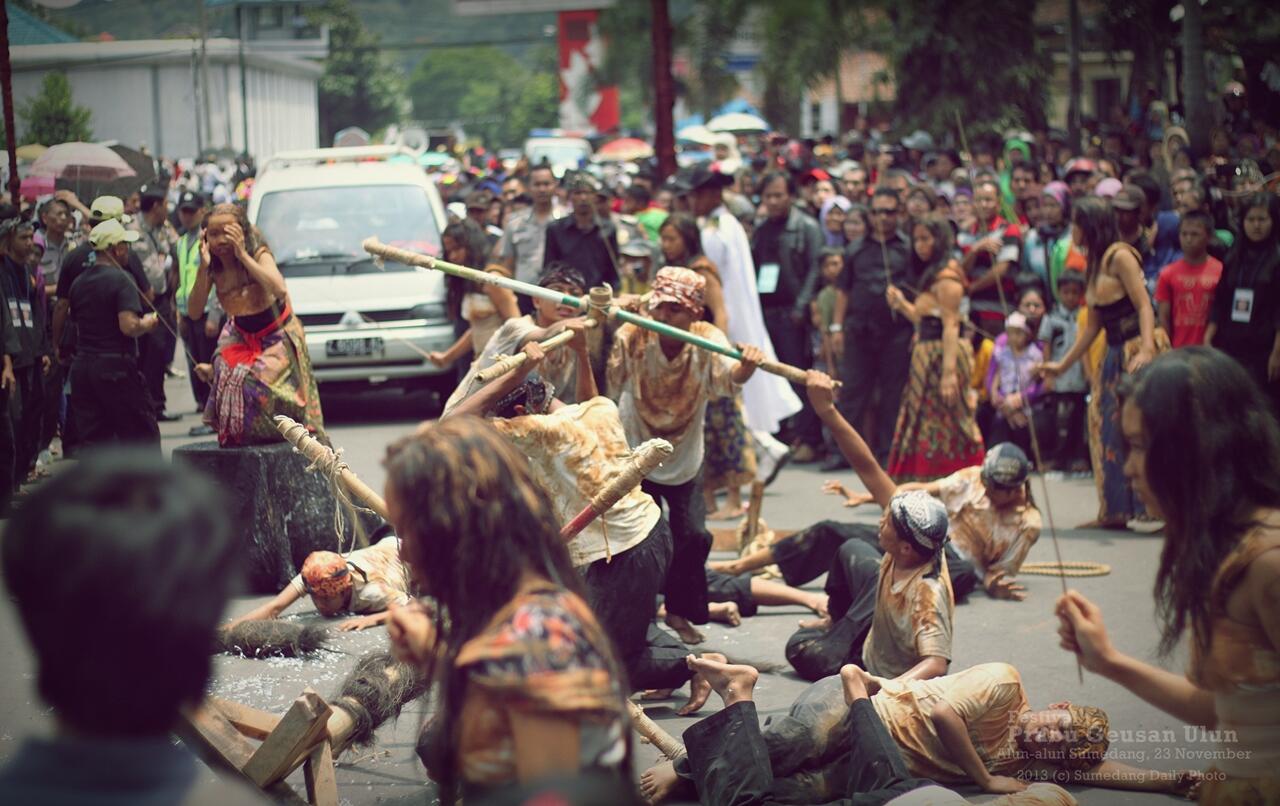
[
  {"x": 71, "y": 160},
  {"x": 737, "y": 122},
  {"x": 696, "y": 134}
]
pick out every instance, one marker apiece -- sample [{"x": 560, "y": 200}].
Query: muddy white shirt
[
  {"x": 379, "y": 576},
  {"x": 912, "y": 621},
  {"x": 575, "y": 451},
  {"x": 560, "y": 367},
  {"x": 995, "y": 540}
]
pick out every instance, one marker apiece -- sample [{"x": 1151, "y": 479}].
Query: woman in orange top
[{"x": 1204, "y": 454}]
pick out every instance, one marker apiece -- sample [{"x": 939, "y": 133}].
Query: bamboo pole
[
  {"x": 644, "y": 459},
  {"x": 667, "y": 744},
  {"x": 510, "y": 363},
  {"x": 375, "y": 247},
  {"x": 296, "y": 434}
]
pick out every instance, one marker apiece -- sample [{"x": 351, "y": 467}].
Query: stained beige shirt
[
  {"x": 994, "y": 540},
  {"x": 667, "y": 398},
  {"x": 912, "y": 620},
  {"x": 385, "y": 580},
  {"x": 988, "y": 697},
  {"x": 575, "y": 451},
  {"x": 560, "y": 367}
]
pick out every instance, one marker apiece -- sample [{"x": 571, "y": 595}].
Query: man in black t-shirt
[{"x": 109, "y": 401}]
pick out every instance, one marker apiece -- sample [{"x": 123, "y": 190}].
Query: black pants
[
  {"x": 852, "y": 585},
  {"x": 8, "y": 457},
  {"x": 1003, "y": 431},
  {"x": 623, "y": 593},
  {"x": 1063, "y": 434},
  {"x": 730, "y": 761},
  {"x": 876, "y": 363},
  {"x": 156, "y": 351},
  {"x": 731, "y": 588},
  {"x": 26, "y": 412},
  {"x": 109, "y": 402},
  {"x": 805, "y": 556},
  {"x": 51, "y": 420},
  {"x": 685, "y": 590},
  {"x": 200, "y": 347},
  {"x": 793, "y": 346}
]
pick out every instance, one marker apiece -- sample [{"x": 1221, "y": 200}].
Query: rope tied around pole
[{"x": 327, "y": 462}]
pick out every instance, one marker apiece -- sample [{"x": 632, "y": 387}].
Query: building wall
[{"x": 154, "y": 102}]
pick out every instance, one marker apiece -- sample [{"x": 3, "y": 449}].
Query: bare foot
[
  {"x": 725, "y": 613},
  {"x": 727, "y": 513},
  {"x": 700, "y": 687},
  {"x": 733, "y": 682},
  {"x": 857, "y": 683},
  {"x": 684, "y": 629},
  {"x": 818, "y": 604},
  {"x": 729, "y": 567},
  {"x": 659, "y": 782},
  {"x": 657, "y": 694},
  {"x": 823, "y": 623}
]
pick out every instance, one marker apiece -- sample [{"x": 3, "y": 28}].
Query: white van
[{"x": 366, "y": 324}]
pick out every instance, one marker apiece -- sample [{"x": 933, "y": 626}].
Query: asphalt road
[{"x": 985, "y": 630}]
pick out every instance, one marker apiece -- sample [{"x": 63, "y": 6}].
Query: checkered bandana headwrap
[
  {"x": 921, "y": 520},
  {"x": 1088, "y": 739},
  {"x": 682, "y": 286},
  {"x": 1005, "y": 466},
  {"x": 326, "y": 574},
  {"x": 534, "y": 393}
]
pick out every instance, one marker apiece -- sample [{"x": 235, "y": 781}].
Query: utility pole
[
  {"x": 204, "y": 72},
  {"x": 1073, "y": 69},
  {"x": 244, "y": 84},
  {"x": 6, "y": 84},
  {"x": 664, "y": 96}
]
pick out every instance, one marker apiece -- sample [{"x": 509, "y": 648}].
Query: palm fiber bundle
[
  {"x": 271, "y": 638},
  {"x": 375, "y": 691}
]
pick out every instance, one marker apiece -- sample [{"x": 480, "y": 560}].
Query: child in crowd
[
  {"x": 1063, "y": 436},
  {"x": 1011, "y": 383},
  {"x": 1031, "y": 305},
  {"x": 1184, "y": 290},
  {"x": 822, "y": 313}
]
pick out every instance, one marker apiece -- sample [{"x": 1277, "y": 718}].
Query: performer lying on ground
[
  {"x": 891, "y": 613},
  {"x": 528, "y": 683},
  {"x": 261, "y": 367},
  {"x": 745, "y": 593},
  {"x": 1204, "y": 455},
  {"x": 854, "y": 738},
  {"x": 366, "y": 581},
  {"x": 994, "y": 524},
  {"x": 560, "y": 366},
  {"x": 624, "y": 555},
  {"x": 662, "y": 386}
]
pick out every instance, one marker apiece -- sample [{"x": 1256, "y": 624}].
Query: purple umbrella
[{"x": 81, "y": 164}]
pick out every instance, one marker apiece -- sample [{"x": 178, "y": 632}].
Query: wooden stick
[
  {"x": 644, "y": 459},
  {"x": 510, "y": 363},
  {"x": 291, "y": 742},
  {"x": 375, "y": 247},
  {"x": 753, "y": 513},
  {"x": 646, "y": 727},
  {"x": 296, "y": 434}
]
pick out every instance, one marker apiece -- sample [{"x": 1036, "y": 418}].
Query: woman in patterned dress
[
  {"x": 528, "y": 683},
  {"x": 261, "y": 367},
  {"x": 936, "y": 433}
]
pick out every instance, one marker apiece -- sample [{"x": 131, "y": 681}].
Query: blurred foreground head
[{"x": 120, "y": 568}]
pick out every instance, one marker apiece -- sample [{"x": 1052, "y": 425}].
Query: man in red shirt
[
  {"x": 991, "y": 250},
  {"x": 1184, "y": 291}
]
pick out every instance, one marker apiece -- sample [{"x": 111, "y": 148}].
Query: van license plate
[{"x": 351, "y": 348}]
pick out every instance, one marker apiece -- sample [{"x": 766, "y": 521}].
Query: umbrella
[
  {"x": 696, "y": 134},
  {"x": 737, "y": 122},
  {"x": 81, "y": 167},
  {"x": 144, "y": 167},
  {"x": 30, "y": 152},
  {"x": 33, "y": 187},
  {"x": 625, "y": 150}
]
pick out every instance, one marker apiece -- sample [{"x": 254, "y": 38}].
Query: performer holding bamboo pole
[{"x": 374, "y": 247}]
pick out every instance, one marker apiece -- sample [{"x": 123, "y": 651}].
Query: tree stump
[{"x": 280, "y": 512}]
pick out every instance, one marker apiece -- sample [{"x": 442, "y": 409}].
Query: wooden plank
[
  {"x": 212, "y": 737},
  {"x": 301, "y": 727},
  {"x": 322, "y": 780},
  {"x": 251, "y": 722},
  {"x": 725, "y": 538}
]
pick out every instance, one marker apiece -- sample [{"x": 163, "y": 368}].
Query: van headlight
[{"x": 427, "y": 310}]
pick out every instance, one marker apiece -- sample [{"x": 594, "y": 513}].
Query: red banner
[{"x": 584, "y": 105}]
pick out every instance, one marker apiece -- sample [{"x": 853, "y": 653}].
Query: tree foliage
[
  {"x": 52, "y": 117},
  {"x": 360, "y": 86},
  {"x": 494, "y": 96}
]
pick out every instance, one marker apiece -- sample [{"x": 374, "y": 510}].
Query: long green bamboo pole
[{"x": 375, "y": 247}]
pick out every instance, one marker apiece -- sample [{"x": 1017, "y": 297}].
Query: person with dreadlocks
[
  {"x": 993, "y": 518},
  {"x": 528, "y": 683},
  {"x": 663, "y": 386},
  {"x": 855, "y": 739},
  {"x": 366, "y": 582},
  {"x": 625, "y": 555},
  {"x": 890, "y": 605},
  {"x": 261, "y": 367},
  {"x": 1204, "y": 454}
]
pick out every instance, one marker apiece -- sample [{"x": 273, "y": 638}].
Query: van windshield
[{"x": 315, "y": 230}]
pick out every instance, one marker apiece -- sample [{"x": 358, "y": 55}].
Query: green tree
[
  {"x": 52, "y": 117},
  {"x": 360, "y": 86},
  {"x": 976, "y": 59},
  {"x": 803, "y": 43}
]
